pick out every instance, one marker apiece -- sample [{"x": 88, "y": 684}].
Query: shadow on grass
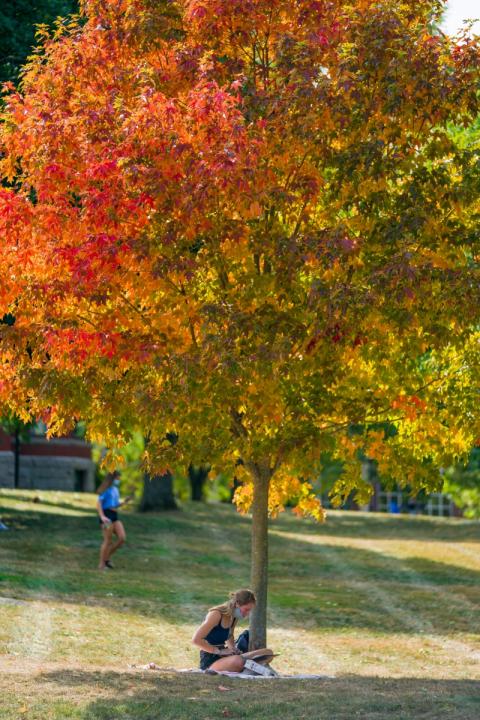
[
  {"x": 40, "y": 501},
  {"x": 356, "y": 524},
  {"x": 176, "y": 696},
  {"x": 176, "y": 564},
  {"x": 370, "y": 526},
  {"x": 339, "y": 523}
]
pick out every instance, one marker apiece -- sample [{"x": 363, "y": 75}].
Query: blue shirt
[{"x": 110, "y": 498}]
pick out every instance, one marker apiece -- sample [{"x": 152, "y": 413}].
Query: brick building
[{"x": 56, "y": 464}]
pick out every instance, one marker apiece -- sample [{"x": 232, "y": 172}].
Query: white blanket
[{"x": 242, "y": 675}]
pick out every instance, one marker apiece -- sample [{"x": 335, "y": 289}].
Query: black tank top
[{"x": 218, "y": 635}]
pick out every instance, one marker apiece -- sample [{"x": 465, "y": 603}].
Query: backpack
[{"x": 242, "y": 641}]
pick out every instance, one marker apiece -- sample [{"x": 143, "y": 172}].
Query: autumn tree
[{"x": 246, "y": 223}]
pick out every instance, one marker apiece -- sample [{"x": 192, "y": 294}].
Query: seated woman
[{"x": 214, "y": 637}]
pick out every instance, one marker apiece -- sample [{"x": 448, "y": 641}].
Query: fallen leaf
[{"x": 222, "y": 687}]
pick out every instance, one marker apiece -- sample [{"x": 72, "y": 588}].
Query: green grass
[{"x": 389, "y": 605}]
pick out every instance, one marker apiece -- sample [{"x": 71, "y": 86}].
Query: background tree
[
  {"x": 462, "y": 484},
  {"x": 153, "y": 492},
  {"x": 18, "y": 20},
  {"x": 19, "y": 429},
  {"x": 197, "y": 476},
  {"x": 158, "y": 493},
  {"x": 247, "y": 224}
]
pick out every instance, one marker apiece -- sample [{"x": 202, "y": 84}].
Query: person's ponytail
[
  {"x": 109, "y": 478},
  {"x": 237, "y": 597}
]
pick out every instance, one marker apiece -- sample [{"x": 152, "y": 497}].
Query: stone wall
[
  {"x": 48, "y": 472},
  {"x": 6, "y": 469}
]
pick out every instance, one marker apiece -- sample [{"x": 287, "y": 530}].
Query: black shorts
[
  {"x": 110, "y": 514},
  {"x": 207, "y": 659}
]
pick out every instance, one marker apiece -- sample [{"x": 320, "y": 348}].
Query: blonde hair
[{"x": 237, "y": 597}]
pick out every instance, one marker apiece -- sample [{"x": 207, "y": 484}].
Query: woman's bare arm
[
  {"x": 103, "y": 518},
  {"x": 212, "y": 619}
]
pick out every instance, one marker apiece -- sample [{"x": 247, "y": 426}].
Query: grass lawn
[{"x": 388, "y": 605}]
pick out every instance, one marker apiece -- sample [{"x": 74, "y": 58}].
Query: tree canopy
[{"x": 247, "y": 223}]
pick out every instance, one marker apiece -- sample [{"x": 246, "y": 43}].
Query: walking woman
[
  {"x": 215, "y": 638},
  {"x": 107, "y": 505}
]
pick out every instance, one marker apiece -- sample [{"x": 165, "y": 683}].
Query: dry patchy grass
[{"x": 389, "y": 605}]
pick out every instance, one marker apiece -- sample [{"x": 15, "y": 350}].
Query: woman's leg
[
  {"x": 231, "y": 663},
  {"x": 107, "y": 533},
  {"x": 119, "y": 531}
]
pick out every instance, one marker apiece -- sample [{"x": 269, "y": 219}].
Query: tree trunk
[
  {"x": 197, "y": 476},
  {"x": 158, "y": 493},
  {"x": 259, "y": 564},
  {"x": 16, "y": 467}
]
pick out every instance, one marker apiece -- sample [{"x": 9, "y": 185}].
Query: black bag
[{"x": 242, "y": 641}]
